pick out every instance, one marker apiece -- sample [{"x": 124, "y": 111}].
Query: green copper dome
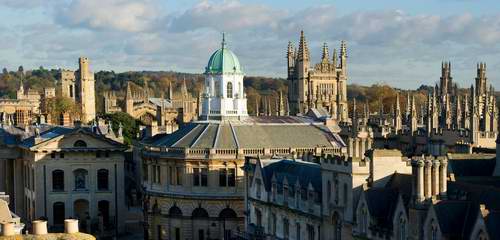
[{"x": 223, "y": 61}]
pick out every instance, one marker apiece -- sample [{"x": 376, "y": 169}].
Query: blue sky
[{"x": 401, "y": 43}]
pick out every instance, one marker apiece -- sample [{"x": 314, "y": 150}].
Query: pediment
[{"x": 79, "y": 140}]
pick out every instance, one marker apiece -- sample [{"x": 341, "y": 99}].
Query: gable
[{"x": 77, "y": 140}]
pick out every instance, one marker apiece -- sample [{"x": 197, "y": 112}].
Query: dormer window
[
  {"x": 285, "y": 194},
  {"x": 274, "y": 191},
  {"x": 257, "y": 187}
]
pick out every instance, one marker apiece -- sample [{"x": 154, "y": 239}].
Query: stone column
[
  {"x": 443, "y": 177},
  {"x": 428, "y": 179},
  {"x": 435, "y": 178},
  {"x": 418, "y": 176}
]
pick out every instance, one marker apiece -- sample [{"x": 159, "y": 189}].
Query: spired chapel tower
[{"x": 322, "y": 86}]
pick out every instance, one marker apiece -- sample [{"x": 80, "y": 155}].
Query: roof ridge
[
  {"x": 180, "y": 139},
  {"x": 234, "y": 135},
  {"x": 216, "y": 140},
  {"x": 200, "y": 135}
]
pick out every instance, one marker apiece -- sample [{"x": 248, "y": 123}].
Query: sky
[{"x": 395, "y": 42}]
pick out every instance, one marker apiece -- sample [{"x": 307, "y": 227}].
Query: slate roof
[
  {"x": 382, "y": 203},
  {"x": 293, "y": 171},
  {"x": 403, "y": 183},
  {"x": 159, "y": 102},
  {"x": 277, "y": 132},
  {"x": 492, "y": 224},
  {"x": 455, "y": 218},
  {"x": 58, "y": 131},
  {"x": 465, "y": 165}
]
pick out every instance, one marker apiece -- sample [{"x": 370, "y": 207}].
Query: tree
[{"x": 130, "y": 126}]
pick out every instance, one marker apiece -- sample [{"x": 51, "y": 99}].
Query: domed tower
[{"x": 224, "y": 97}]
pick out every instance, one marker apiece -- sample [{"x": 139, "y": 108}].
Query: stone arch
[
  {"x": 175, "y": 211},
  {"x": 199, "y": 213},
  {"x": 227, "y": 213}
]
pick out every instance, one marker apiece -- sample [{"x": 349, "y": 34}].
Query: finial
[{"x": 223, "y": 40}]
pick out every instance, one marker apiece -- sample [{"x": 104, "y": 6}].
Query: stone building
[
  {"x": 322, "y": 86},
  {"x": 79, "y": 85},
  {"x": 193, "y": 177},
  {"x": 283, "y": 199},
  {"x": 450, "y": 121},
  {"x": 27, "y": 106},
  {"x": 61, "y": 172},
  {"x": 164, "y": 113}
]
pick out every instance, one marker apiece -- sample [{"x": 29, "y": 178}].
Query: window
[
  {"x": 61, "y": 155},
  {"x": 257, "y": 187},
  {"x": 178, "y": 173},
  {"x": 52, "y": 155},
  {"x": 145, "y": 172},
  {"x": 57, "y": 180},
  {"x": 230, "y": 90},
  {"x": 80, "y": 179},
  {"x": 258, "y": 216},
  {"x": 171, "y": 174},
  {"x": 274, "y": 190},
  {"x": 223, "y": 177},
  {"x": 297, "y": 229},
  {"x": 285, "y": 194},
  {"x": 80, "y": 144},
  {"x": 102, "y": 179},
  {"x": 310, "y": 232},
  {"x": 98, "y": 154},
  {"x": 273, "y": 226},
  {"x": 329, "y": 191},
  {"x": 227, "y": 177},
  {"x": 200, "y": 177},
  {"x": 231, "y": 177},
  {"x": 156, "y": 174},
  {"x": 345, "y": 194},
  {"x": 402, "y": 228},
  {"x": 58, "y": 213},
  {"x": 286, "y": 228}
]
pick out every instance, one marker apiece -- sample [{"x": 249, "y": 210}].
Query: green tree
[{"x": 130, "y": 126}]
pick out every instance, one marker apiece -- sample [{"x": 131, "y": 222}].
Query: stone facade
[
  {"x": 62, "y": 172},
  {"x": 321, "y": 86},
  {"x": 79, "y": 85}
]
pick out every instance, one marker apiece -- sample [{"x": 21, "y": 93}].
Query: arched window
[
  {"x": 199, "y": 213},
  {"x": 345, "y": 194},
  {"x": 227, "y": 213},
  {"x": 80, "y": 144},
  {"x": 80, "y": 179},
  {"x": 230, "y": 90},
  {"x": 175, "y": 211},
  {"x": 58, "y": 180},
  {"x": 402, "y": 227},
  {"x": 329, "y": 191},
  {"x": 102, "y": 179},
  {"x": 363, "y": 218},
  {"x": 58, "y": 213}
]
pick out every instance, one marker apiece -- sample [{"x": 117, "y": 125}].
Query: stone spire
[
  {"x": 354, "y": 116},
  {"x": 466, "y": 113},
  {"x": 303, "y": 53},
  {"x": 397, "y": 115},
  {"x": 281, "y": 106},
  {"x": 366, "y": 115},
  {"x": 413, "y": 119},
  {"x": 446, "y": 79},
  {"x": 335, "y": 58},
  {"x": 290, "y": 56},
  {"x": 474, "y": 117},
  {"x": 325, "y": 57},
  {"x": 170, "y": 91},
  {"x": 458, "y": 112},
  {"x": 343, "y": 56},
  {"x": 481, "y": 80},
  {"x": 184, "y": 90}
]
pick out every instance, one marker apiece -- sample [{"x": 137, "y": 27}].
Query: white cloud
[
  {"x": 384, "y": 46},
  {"x": 121, "y": 15}
]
